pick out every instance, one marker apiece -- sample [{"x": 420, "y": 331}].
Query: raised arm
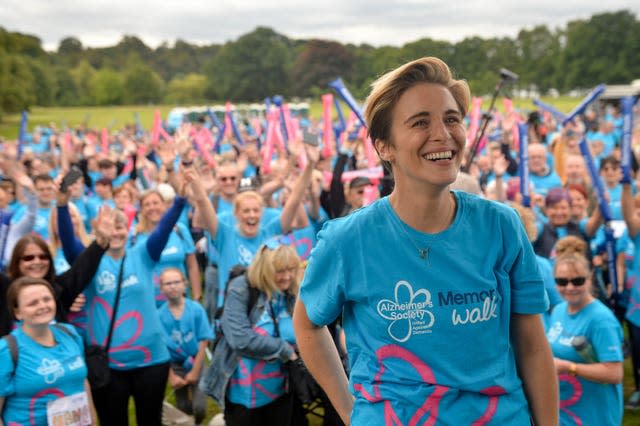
[
  {"x": 299, "y": 187},
  {"x": 205, "y": 213},
  {"x": 160, "y": 236}
]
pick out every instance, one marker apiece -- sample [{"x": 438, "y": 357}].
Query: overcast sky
[{"x": 392, "y": 22}]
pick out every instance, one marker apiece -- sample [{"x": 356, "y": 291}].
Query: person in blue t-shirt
[
  {"x": 49, "y": 375},
  {"x": 586, "y": 340},
  {"x": 238, "y": 244},
  {"x": 186, "y": 331},
  {"x": 439, "y": 291},
  {"x": 138, "y": 357}
]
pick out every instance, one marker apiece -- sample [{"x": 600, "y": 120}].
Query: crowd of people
[{"x": 209, "y": 267}]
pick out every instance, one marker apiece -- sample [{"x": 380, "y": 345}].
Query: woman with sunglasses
[
  {"x": 31, "y": 257},
  {"x": 246, "y": 377},
  {"x": 586, "y": 340}
]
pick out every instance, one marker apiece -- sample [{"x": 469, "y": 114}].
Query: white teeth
[{"x": 439, "y": 155}]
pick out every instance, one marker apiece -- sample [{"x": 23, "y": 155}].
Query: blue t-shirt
[
  {"x": 546, "y": 271},
  {"x": 41, "y": 226},
  {"x": 256, "y": 382},
  {"x": 633, "y": 284},
  {"x": 137, "y": 335},
  {"x": 180, "y": 245},
  {"x": 43, "y": 374},
  {"x": 183, "y": 335},
  {"x": 583, "y": 402},
  {"x": 428, "y": 338},
  {"x": 234, "y": 249},
  {"x": 542, "y": 184},
  {"x": 60, "y": 263}
]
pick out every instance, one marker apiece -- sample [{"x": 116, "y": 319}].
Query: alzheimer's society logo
[
  {"x": 106, "y": 282},
  {"x": 408, "y": 312},
  {"x": 51, "y": 369}
]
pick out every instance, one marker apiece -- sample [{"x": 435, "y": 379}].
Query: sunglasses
[
  {"x": 227, "y": 178},
  {"x": 30, "y": 257},
  {"x": 577, "y": 281}
]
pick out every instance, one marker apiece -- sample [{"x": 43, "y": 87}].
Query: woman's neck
[
  {"x": 41, "y": 334},
  {"x": 575, "y": 308},
  {"x": 430, "y": 213},
  {"x": 116, "y": 253},
  {"x": 176, "y": 306}
]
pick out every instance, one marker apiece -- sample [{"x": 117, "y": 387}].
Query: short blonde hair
[
  {"x": 246, "y": 195},
  {"x": 262, "y": 271},
  {"x": 387, "y": 90}
]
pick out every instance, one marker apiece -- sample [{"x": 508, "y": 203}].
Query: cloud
[{"x": 376, "y": 22}]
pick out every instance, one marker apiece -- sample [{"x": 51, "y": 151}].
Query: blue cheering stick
[
  {"x": 610, "y": 241},
  {"x": 215, "y": 121},
  {"x": 340, "y": 128},
  {"x": 627, "y": 129},
  {"x": 592, "y": 96},
  {"x": 22, "y": 136},
  {"x": 557, "y": 114},
  {"x": 345, "y": 95},
  {"x": 523, "y": 132},
  {"x": 234, "y": 128}
]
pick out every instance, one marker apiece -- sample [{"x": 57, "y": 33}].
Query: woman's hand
[
  {"x": 176, "y": 381},
  {"x": 78, "y": 303},
  {"x": 562, "y": 365},
  {"x": 103, "y": 226}
]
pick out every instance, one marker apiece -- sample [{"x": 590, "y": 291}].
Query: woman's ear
[{"x": 384, "y": 150}]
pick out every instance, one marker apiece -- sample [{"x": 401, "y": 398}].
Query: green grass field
[{"x": 117, "y": 116}]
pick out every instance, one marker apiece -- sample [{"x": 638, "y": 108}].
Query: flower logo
[
  {"x": 51, "y": 369},
  {"x": 106, "y": 282},
  {"x": 407, "y": 309}
]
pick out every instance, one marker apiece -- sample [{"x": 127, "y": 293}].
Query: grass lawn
[{"x": 116, "y": 116}]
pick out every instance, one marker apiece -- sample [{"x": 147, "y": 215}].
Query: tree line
[{"x": 603, "y": 48}]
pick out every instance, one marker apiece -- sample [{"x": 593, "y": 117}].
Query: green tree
[
  {"x": 251, "y": 68},
  {"x": 82, "y": 75},
  {"x": 142, "y": 85},
  {"x": 16, "y": 83},
  {"x": 70, "y": 51},
  {"x": 539, "y": 50},
  {"x": 189, "y": 89},
  {"x": 66, "y": 92},
  {"x": 107, "y": 87},
  {"x": 43, "y": 82},
  {"x": 319, "y": 62}
]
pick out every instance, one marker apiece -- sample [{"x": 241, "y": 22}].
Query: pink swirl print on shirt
[
  {"x": 252, "y": 378},
  {"x": 304, "y": 241},
  {"x": 128, "y": 344},
  {"x": 431, "y": 404},
  {"x": 34, "y": 399},
  {"x": 573, "y": 399}
]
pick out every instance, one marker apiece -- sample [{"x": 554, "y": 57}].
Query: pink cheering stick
[
  {"x": 474, "y": 119},
  {"x": 267, "y": 150},
  {"x": 200, "y": 140},
  {"x": 227, "y": 120},
  {"x": 105, "y": 141},
  {"x": 373, "y": 173},
  {"x": 327, "y": 131},
  {"x": 155, "y": 129}
]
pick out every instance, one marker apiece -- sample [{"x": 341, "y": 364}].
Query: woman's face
[
  {"x": 36, "y": 305},
  {"x": 559, "y": 213},
  {"x": 152, "y": 208},
  {"x": 427, "y": 137},
  {"x": 248, "y": 214},
  {"x": 577, "y": 296},
  {"x": 578, "y": 204},
  {"x": 34, "y": 262},
  {"x": 284, "y": 277},
  {"x": 119, "y": 236},
  {"x": 122, "y": 199}
]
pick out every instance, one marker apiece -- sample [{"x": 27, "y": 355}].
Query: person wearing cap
[
  {"x": 439, "y": 291},
  {"x": 340, "y": 199}
]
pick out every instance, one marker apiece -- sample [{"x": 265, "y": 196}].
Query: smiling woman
[
  {"x": 399, "y": 253},
  {"x": 50, "y": 379}
]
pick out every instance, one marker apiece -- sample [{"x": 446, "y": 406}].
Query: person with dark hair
[
  {"x": 432, "y": 337},
  {"x": 31, "y": 257},
  {"x": 560, "y": 223},
  {"x": 42, "y": 370}
]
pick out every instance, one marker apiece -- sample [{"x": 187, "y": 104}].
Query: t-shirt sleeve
[
  {"x": 322, "y": 290},
  {"x": 607, "y": 340},
  {"x": 6, "y": 370},
  {"x": 203, "y": 328},
  {"x": 527, "y": 288}
]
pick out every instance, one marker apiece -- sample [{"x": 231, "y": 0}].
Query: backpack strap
[
  {"x": 62, "y": 328},
  {"x": 13, "y": 348}
]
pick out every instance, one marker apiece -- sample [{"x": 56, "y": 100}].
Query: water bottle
[{"x": 584, "y": 349}]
